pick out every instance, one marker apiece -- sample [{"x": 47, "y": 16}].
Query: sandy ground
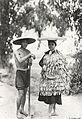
[{"x": 71, "y": 108}]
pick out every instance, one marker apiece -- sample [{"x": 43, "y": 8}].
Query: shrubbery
[{"x": 76, "y": 74}]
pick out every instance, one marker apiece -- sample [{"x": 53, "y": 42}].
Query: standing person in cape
[
  {"x": 54, "y": 77},
  {"x": 23, "y": 59}
]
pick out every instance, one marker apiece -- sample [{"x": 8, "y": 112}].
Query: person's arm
[
  {"x": 22, "y": 59},
  {"x": 41, "y": 62}
]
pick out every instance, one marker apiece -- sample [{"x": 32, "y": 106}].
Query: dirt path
[{"x": 71, "y": 108}]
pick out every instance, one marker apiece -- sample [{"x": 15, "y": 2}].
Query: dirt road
[{"x": 71, "y": 108}]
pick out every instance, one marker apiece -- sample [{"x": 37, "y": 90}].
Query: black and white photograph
[{"x": 40, "y": 59}]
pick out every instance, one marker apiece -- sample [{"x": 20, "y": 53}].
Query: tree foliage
[
  {"x": 70, "y": 12},
  {"x": 13, "y": 19},
  {"x": 76, "y": 80}
]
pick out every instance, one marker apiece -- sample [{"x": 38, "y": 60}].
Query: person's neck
[
  {"x": 52, "y": 50},
  {"x": 23, "y": 47}
]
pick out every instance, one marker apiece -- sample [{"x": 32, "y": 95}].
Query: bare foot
[
  {"x": 19, "y": 116},
  {"x": 54, "y": 114},
  {"x": 49, "y": 116},
  {"x": 24, "y": 113}
]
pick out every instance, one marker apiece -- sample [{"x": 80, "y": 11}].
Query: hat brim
[
  {"x": 50, "y": 39},
  {"x": 18, "y": 41}
]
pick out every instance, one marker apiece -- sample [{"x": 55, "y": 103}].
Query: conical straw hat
[
  {"x": 51, "y": 38},
  {"x": 19, "y": 40}
]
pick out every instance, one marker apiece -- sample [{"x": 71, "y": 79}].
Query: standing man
[{"x": 23, "y": 59}]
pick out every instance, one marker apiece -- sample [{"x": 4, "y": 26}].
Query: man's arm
[{"x": 22, "y": 59}]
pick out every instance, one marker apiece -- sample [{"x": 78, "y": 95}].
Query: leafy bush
[{"x": 76, "y": 73}]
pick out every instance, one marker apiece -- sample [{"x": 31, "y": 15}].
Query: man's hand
[{"x": 30, "y": 61}]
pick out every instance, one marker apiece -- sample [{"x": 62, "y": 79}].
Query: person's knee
[
  {"x": 25, "y": 91},
  {"x": 21, "y": 93}
]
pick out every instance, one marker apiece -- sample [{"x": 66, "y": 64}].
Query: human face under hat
[
  {"x": 52, "y": 44},
  {"x": 24, "y": 44}
]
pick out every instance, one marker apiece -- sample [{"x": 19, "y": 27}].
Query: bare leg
[
  {"x": 54, "y": 107},
  {"x": 23, "y": 100},
  {"x": 50, "y": 109},
  {"x": 23, "y": 103},
  {"x": 19, "y": 98},
  {"x": 54, "y": 110}
]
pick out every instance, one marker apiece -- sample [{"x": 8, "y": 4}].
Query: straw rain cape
[{"x": 54, "y": 74}]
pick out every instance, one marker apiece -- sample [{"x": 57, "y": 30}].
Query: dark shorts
[
  {"x": 51, "y": 99},
  {"x": 22, "y": 79}
]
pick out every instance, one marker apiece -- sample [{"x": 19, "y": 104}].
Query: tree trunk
[
  {"x": 4, "y": 29},
  {"x": 1, "y": 66}
]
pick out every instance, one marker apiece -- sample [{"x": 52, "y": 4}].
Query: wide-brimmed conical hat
[
  {"x": 51, "y": 38},
  {"x": 19, "y": 40}
]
